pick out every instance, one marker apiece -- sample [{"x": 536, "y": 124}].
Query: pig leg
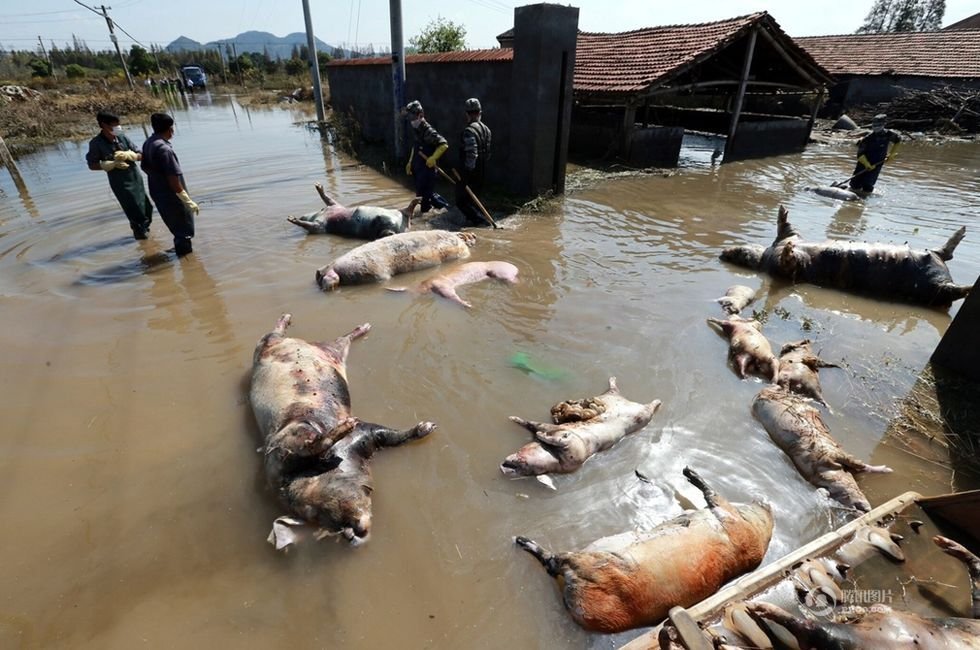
[
  {"x": 446, "y": 290},
  {"x": 537, "y": 428},
  {"x": 282, "y": 324},
  {"x": 309, "y": 224},
  {"x": 272, "y": 337},
  {"x": 784, "y": 229},
  {"x": 712, "y": 498},
  {"x": 375, "y": 436},
  {"x": 857, "y": 465},
  {"x": 550, "y": 562},
  {"x": 971, "y": 561},
  {"x": 946, "y": 252},
  {"x": 326, "y": 198},
  {"x": 338, "y": 348}
]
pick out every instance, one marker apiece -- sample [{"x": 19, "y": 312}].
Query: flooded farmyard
[{"x": 134, "y": 497}]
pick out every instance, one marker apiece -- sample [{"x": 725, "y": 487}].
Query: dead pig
[
  {"x": 798, "y": 429},
  {"x": 882, "y": 270},
  {"x": 737, "y": 298},
  {"x": 362, "y": 222},
  {"x": 883, "y": 627},
  {"x": 633, "y": 579},
  {"x": 798, "y": 370},
  {"x": 445, "y": 284},
  {"x": 316, "y": 453},
  {"x": 382, "y": 259},
  {"x": 564, "y": 446},
  {"x": 748, "y": 348}
]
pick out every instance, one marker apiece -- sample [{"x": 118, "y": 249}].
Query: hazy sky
[{"x": 366, "y": 21}]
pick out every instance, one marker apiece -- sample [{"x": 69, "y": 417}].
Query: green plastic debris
[{"x": 522, "y": 361}]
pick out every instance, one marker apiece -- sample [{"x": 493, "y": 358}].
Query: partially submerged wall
[
  {"x": 526, "y": 98},
  {"x": 761, "y": 138},
  {"x": 958, "y": 350}
]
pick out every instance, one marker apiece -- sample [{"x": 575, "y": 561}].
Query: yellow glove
[
  {"x": 431, "y": 161},
  {"x": 408, "y": 165},
  {"x": 109, "y": 165},
  {"x": 893, "y": 152},
  {"x": 867, "y": 163},
  {"x": 126, "y": 156},
  {"x": 186, "y": 200}
]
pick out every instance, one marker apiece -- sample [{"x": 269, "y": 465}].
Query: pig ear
[
  {"x": 613, "y": 388},
  {"x": 287, "y": 531}
]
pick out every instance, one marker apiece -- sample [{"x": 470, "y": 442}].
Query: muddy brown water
[{"x": 132, "y": 498}]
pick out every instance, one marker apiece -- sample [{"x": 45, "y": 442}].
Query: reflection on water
[{"x": 129, "y": 467}]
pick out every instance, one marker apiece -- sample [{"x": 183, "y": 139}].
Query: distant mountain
[
  {"x": 272, "y": 45},
  {"x": 183, "y": 43}
]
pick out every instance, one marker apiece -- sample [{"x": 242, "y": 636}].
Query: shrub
[{"x": 74, "y": 71}]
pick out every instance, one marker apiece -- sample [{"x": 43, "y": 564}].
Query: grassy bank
[{"x": 65, "y": 111}]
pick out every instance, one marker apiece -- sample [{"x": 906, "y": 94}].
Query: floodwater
[{"x": 132, "y": 494}]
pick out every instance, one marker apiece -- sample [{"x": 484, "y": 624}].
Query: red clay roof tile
[{"x": 952, "y": 54}]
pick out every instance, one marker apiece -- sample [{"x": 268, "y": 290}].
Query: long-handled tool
[
  {"x": 483, "y": 210},
  {"x": 866, "y": 169}
]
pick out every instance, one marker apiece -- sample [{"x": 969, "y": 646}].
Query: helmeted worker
[
  {"x": 427, "y": 148},
  {"x": 166, "y": 181},
  {"x": 475, "y": 142},
  {"x": 115, "y": 154},
  {"x": 873, "y": 151}
]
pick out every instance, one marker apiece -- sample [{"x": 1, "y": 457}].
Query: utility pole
[
  {"x": 112, "y": 36},
  {"x": 115, "y": 41},
  {"x": 314, "y": 62},
  {"x": 46, "y": 57},
  {"x": 397, "y": 74},
  {"x": 238, "y": 64}
]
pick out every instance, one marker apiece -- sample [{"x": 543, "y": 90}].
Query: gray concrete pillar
[
  {"x": 541, "y": 100},
  {"x": 959, "y": 349}
]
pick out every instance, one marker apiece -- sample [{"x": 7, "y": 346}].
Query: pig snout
[{"x": 327, "y": 279}]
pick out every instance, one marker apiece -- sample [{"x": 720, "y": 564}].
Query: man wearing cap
[
  {"x": 873, "y": 151},
  {"x": 475, "y": 147},
  {"x": 426, "y": 151}
]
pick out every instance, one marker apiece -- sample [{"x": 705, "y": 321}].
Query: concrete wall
[
  {"x": 364, "y": 91},
  {"x": 655, "y": 146},
  {"x": 545, "y": 37},
  {"x": 883, "y": 88},
  {"x": 958, "y": 350},
  {"x": 768, "y": 138},
  {"x": 526, "y": 101}
]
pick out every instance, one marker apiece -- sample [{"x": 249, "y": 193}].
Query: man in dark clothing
[
  {"x": 166, "y": 181},
  {"x": 872, "y": 154},
  {"x": 427, "y": 148},
  {"x": 475, "y": 151},
  {"x": 116, "y": 155}
]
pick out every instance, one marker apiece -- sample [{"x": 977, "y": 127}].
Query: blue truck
[{"x": 194, "y": 75}]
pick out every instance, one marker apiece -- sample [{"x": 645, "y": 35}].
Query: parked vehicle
[{"x": 194, "y": 75}]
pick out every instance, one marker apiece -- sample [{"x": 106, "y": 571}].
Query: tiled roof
[
  {"x": 953, "y": 53},
  {"x": 466, "y": 56},
  {"x": 629, "y": 62}
]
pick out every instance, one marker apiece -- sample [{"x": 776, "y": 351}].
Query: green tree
[
  {"x": 74, "y": 71},
  {"x": 904, "y": 16},
  {"x": 440, "y": 35},
  {"x": 40, "y": 68},
  {"x": 295, "y": 66},
  {"x": 140, "y": 61}
]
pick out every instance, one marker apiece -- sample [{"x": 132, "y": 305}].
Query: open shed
[{"x": 742, "y": 78}]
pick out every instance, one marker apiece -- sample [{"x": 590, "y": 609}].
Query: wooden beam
[
  {"x": 786, "y": 57},
  {"x": 737, "y": 110},
  {"x": 629, "y": 121},
  {"x": 813, "y": 113}
]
